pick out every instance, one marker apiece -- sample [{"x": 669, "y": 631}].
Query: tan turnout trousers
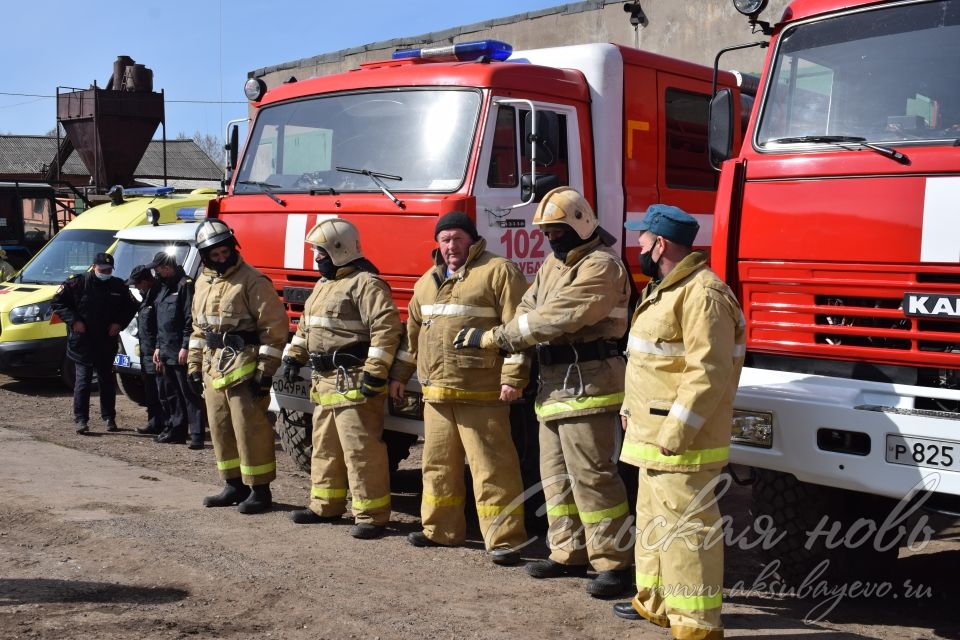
[
  {"x": 242, "y": 436},
  {"x": 679, "y": 581},
  {"x": 348, "y": 451},
  {"x": 587, "y": 509},
  {"x": 481, "y": 435}
]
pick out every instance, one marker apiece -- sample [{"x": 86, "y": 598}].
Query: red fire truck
[
  {"x": 838, "y": 224},
  {"x": 396, "y": 143}
]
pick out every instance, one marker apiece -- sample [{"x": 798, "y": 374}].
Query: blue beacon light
[
  {"x": 463, "y": 51},
  {"x": 192, "y": 213}
]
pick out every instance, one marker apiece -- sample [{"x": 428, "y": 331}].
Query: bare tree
[{"x": 208, "y": 143}]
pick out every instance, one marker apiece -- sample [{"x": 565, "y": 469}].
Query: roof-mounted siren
[
  {"x": 752, "y": 9},
  {"x": 460, "y": 52}
]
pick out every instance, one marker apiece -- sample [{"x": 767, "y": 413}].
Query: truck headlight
[
  {"x": 752, "y": 428},
  {"x": 39, "y": 312}
]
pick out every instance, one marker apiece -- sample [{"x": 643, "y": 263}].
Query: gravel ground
[{"x": 103, "y": 536}]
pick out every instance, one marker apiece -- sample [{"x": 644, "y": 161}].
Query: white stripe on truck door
[{"x": 941, "y": 214}]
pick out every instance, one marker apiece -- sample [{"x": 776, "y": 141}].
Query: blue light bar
[
  {"x": 195, "y": 214},
  {"x": 464, "y": 51},
  {"x": 148, "y": 191}
]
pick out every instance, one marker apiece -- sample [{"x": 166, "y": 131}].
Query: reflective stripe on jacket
[
  {"x": 241, "y": 300},
  {"x": 353, "y": 308},
  {"x": 685, "y": 353},
  {"x": 581, "y": 299},
  {"x": 482, "y": 294}
]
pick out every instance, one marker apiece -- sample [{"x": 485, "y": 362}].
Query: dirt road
[{"x": 103, "y": 536}]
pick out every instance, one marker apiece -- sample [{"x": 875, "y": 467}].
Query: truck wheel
[
  {"x": 296, "y": 429},
  {"x": 796, "y": 509},
  {"x": 296, "y": 438},
  {"x": 398, "y": 447},
  {"x": 132, "y": 387}
]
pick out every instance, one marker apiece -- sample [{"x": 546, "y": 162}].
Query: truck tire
[
  {"x": 132, "y": 387},
  {"x": 296, "y": 438},
  {"x": 796, "y": 508}
]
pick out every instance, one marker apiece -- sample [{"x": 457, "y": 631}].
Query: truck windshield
[
  {"x": 69, "y": 252},
  {"x": 883, "y": 75},
  {"x": 130, "y": 253},
  {"x": 423, "y": 136}
]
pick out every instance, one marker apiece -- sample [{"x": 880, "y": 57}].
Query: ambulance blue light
[
  {"x": 148, "y": 191},
  {"x": 463, "y": 51},
  {"x": 193, "y": 213}
]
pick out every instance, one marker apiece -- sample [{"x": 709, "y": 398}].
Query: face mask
[
  {"x": 221, "y": 267},
  {"x": 326, "y": 267},
  {"x": 103, "y": 277},
  {"x": 648, "y": 267},
  {"x": 562, "y": 245}
]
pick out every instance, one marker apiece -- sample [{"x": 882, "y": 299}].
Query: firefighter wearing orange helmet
[
  {"x": 348, "y": 333},
  {"x": 574, "y": 313}
]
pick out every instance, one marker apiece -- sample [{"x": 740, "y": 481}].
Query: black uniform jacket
[
  {"x": 174, "y": 316},
  {"x": 147, "y": 329},
  {"x": 98, "y": 303}
]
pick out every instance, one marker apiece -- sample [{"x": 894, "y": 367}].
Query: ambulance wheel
[
  {"x": 132, "y": 387},
  {"x": 68, "y": 373},
  {"x": 796, "y": 511},
  {"x": 296, "y": 436}
]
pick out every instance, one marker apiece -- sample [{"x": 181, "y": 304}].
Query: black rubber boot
[
  {"x": 307, "y": 516},
  {"x": 259, "y": 500},
  {"x": 607, "y": 584},
  {"x": 233, "y": 493},
  {"x": 366, "y": 531},
  {"x": 548, "y": 568}
]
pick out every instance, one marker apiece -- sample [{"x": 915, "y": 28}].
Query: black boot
[
  {"x": 259, "y": 500},
  {"x": 173, "y": 436},
  {"x": 233, "y": 493}
]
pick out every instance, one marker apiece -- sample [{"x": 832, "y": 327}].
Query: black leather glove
[
  {"x": 291, "y": 370},
  {"x": 372, "y": 386},
  {"x": 468, "y": 338},
  {"x": 260, "y": 384},
  {"x": 196, "y": 382}
]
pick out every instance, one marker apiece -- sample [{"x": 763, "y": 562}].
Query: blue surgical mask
[{"x": 103, "y": 276}]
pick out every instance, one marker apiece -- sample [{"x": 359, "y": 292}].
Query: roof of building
[{"x": 21, "y": 155}]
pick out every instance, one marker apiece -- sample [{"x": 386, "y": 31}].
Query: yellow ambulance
[{"x": 33, "y": 340}]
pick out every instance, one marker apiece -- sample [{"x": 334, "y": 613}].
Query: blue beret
[{"x": 673, "y": 223}]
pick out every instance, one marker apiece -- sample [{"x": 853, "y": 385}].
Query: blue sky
[{"x": 199, "y": 50}]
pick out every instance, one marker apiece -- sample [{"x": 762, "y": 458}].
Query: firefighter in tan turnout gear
[
  {"x": 348, "y": 333},
  {"x": 467, "y": 393},
  {"x": 239, "y": 331},
  {"x": 685, "y": 353},
  {"x": 574, "y": 312}
]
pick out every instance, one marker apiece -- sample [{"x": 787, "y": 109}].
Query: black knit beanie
[{"x": 456, "y": 220}]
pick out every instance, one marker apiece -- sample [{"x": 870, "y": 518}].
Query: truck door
[
  {"x": 505, "y": 158},
  {"x": 685, "y": 178}
]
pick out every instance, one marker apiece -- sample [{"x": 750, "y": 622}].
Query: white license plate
[
  {"x": 300, "y": 389},
  {"x": 923, "y": 452},
  {"x": 121, "y": 360}
]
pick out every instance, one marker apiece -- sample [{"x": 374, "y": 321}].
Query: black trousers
[
  {"x": 156, "y": 416},
  {"x": 185, "y": 408},
  {"x": 84, "y": 381}
]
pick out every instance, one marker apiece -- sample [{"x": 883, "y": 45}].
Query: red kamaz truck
[
  {"x": 474, "y": 127},
  {"x": 838, "y": 225}
]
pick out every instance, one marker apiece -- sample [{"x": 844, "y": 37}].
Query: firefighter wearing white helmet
[
  {"x": 348, "y": 334},
  {"x": 239, "y": 331},
  {"x": 574, "y": 313}
]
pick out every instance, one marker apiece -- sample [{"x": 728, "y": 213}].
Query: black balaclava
[
  {"x": 567, "y": 242},
  {"x": 326, "y": 267},
  {"x": 220, "y": 267}
]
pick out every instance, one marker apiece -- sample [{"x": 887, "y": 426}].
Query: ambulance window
[
  {"x": 503, "y": 155},
  {"x": 552, "y": 154},
  {"x": 687, "y": 164}
]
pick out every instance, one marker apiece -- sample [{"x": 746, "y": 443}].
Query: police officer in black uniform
[
  {"x": 174, "y": 326},
  {"x": 95, "y": 306},
  {"x": 142, "y": 278}
]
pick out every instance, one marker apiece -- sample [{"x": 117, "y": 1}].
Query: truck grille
[{"x": 849, "y": 313}]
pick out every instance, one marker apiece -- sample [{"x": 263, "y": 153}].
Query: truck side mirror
[
  {"x": 546, "y": 182},
  {"x": 544, "y": 145},
  {"x": 232, "y": 147},
  {"x": 721, "y": 127}
]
